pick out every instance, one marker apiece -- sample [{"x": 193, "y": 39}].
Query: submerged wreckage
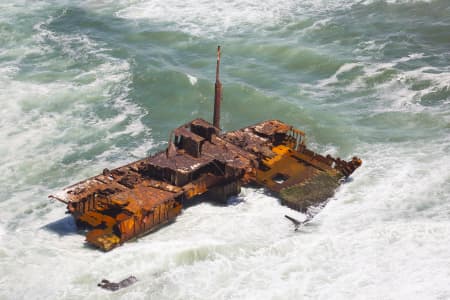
[{"x": 135, "y": 199}]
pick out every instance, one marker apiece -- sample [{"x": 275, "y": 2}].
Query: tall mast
[{"x": 217, "y": 93}]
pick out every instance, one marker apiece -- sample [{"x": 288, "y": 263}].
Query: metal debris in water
[
  {"x": 298, "y": 223},
  {"x": 114, "y": 286}
]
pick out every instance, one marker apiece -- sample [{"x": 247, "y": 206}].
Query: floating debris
[
  {"x": 298, "y": 223},
  {"x": 114, "y": 286}
]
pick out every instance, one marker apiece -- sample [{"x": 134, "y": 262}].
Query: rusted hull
[{"x": 133, "y": 200}]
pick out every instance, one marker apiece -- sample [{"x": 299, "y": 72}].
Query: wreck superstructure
[{"x": 135, "y": 199}]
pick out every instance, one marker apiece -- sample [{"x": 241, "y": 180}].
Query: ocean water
[{"x": 86, "y": 85}]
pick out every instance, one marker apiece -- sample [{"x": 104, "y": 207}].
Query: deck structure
[{"x": 132, "y": 200}]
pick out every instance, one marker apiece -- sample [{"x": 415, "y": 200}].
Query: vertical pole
[{"x": 217, "y": 93}]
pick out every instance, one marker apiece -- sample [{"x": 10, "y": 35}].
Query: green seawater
[{"x": 88, "y": 85}]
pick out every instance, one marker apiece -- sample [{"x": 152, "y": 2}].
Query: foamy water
[{"x": 87, "y": 85}]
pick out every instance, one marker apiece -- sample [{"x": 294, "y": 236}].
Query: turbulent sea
[{"x": 88, "y": 85}]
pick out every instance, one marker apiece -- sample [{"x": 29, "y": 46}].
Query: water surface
[{"x": 86, "y": 85}]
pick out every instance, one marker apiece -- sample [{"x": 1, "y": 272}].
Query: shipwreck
[{"x": 132, "y": 200}]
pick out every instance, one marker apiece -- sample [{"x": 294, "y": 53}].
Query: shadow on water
[
  {"x": 62, "y": 227},
  {"x": 348, "y": 180},
  {"x": 235, "y": 200}
]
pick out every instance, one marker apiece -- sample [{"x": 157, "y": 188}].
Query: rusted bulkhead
[{"x": 135, "y": 199}]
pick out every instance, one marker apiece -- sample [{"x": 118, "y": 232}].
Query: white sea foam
[
  {"x": 2, "y": 232},
  {"x": 395, "y": 88},
  {"x": 200, "y": 17},
  {"x": 397, "y": 93},
  {"x": 342, "y": 69},
  {"x": 42, "y": 124},
  {"x": 219, "y": 17},
  {"x": 37, "y": 116},
  {"x": 368, "y": 2},
  {"x": 192, "y": 79},
  {"x": 373, "y": 239}
]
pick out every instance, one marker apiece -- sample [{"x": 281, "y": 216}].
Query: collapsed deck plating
[{"x": 135, "y": 199}]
